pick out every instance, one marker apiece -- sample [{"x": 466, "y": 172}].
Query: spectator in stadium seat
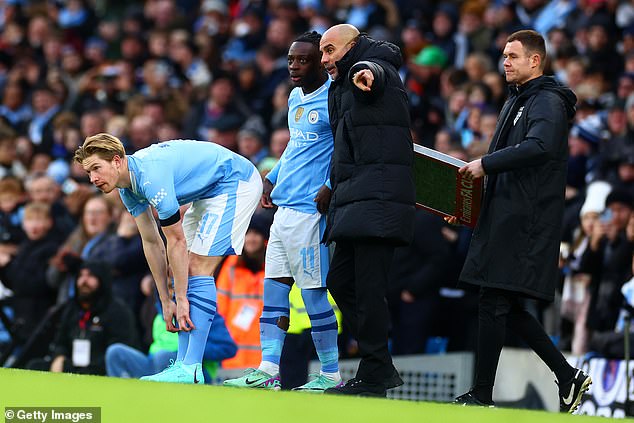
[
  {"x": 608, "y": 260},
  {"x": 95, "y": 226},
  {"x": 43, "y": 188},
  {"x": 25, "y": 273},
  {"x": 40, "y": 128},
  {"x": 11, "y": 210},
  {"x": 90, "y": 323}
]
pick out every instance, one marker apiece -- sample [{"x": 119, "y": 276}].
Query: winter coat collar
[
  {"x": 546, "y": 82},
  {"x": 367, "y": 48}
]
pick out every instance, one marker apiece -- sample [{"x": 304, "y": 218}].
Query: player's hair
[
  {"x": 533, "y": 43},
  {"x": 105, "y": 146},
  {"x": 309, "y": 37}
]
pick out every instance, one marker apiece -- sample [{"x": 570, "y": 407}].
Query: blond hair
[
  {"x": 105, "y": 146},
  {"x": 37, "y": 209}
]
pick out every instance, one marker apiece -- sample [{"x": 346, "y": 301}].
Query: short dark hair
[
  {"x": 532, "y": 41},
  {"x": 313, "y": 38}
]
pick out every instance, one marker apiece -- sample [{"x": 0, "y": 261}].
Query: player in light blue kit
[
  {"x": 294, "y": 253},
  {"x": 224, "y": 189}
]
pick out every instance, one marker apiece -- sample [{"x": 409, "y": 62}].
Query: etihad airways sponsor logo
[{"x": 299, "y": 135}]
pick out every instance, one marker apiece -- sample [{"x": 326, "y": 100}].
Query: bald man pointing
[{"x": 372, "y": 206}]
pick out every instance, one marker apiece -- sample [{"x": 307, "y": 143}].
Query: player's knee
[
  {"x": 114, "y": 352},
  {"x": 202, "y": 265},
  {"x": 285, "y": 281},
  {"x": 315, "y": 300}
]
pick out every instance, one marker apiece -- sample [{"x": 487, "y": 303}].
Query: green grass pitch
[{"x": 127, "y": 400}]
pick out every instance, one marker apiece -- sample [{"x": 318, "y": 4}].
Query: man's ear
[{"x": 536, "y": 60}]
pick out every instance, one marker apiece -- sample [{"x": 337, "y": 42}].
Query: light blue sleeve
[
  {"x": 160, "y": 192},
  {"x": 272, "y": 175},
  {"x": 132, "y": 203}
]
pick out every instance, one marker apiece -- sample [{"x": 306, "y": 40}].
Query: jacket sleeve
[
  {"x": 62, "y": 343},
  {"x": 126, "y": 254},
  {"x": 378, "y": 85},
  {"x": 121, "y": 325},
  {"x": 541, "y": 142}
]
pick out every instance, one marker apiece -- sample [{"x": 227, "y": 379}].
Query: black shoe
[
  {"x": 359, "y": 388},
  {"x": 470, "y": 399},
  {"x": 570, "y": 393},
  {"x": 393, "y": 381}
]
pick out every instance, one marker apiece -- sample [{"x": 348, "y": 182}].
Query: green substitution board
[{"x": 435, "y": 184}]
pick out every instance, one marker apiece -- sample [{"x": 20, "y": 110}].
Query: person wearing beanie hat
[
  {"x": 596, "y": 194},
  {"x": 585, "y": 139},
  {"x": 432, "y": 56},
  {"x": 89, "y": 324}
]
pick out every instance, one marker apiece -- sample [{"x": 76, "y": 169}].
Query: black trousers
[
  {"x": 357, "y": 280},
  {"x": 297, "y": 352},
  {"x": 499, "y": 310}
]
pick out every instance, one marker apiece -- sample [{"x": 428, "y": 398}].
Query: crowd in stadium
[{"x": 216, "y": 70}]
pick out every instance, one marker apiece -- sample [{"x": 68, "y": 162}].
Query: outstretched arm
[{"x": 368, "y": 79}]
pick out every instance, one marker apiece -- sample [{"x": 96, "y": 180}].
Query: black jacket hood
[
  {"x": 101, "y": 270},
  {"x": 367, "y": 48}
]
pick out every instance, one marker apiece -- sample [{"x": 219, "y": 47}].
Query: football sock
[
  {"x": 273, "y": 324},
  {"x": 201, "y": 294},
  {"x": 323, "y": 330}
]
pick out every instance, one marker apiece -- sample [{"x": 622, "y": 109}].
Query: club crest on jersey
[
  {"x": 517, "y": 116},
  {"x": 299, "y": 113},
  {"x": 313, "y": 116}
]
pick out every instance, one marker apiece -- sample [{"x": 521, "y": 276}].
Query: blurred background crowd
[{"x": 216, "y": 70}]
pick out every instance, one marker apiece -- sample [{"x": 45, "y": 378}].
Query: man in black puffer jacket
[
  {"x": 372, "y": 206},
  {"x": 514, "y": 249}
]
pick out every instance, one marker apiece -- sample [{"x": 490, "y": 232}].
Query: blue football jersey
[
  {"x": 177, "y": 172},
  {"x": 305, "y": 164}
]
